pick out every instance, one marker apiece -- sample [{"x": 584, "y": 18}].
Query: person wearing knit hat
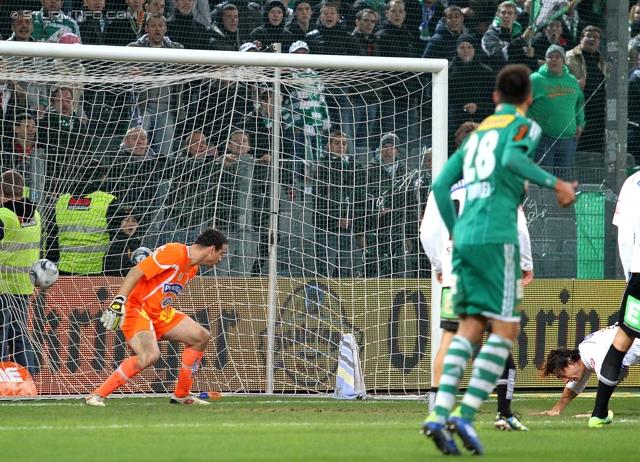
[
  {"x": 556, "y": 49},
  {"x": 273, "y": 29},
  {"x": 468, "y": 38},
  {"x": 390, "y": 139},
  {"x": 557, "y": 108},
  {"x": 269, "y": 5},
  {"x": 470, "y": 88},
  {"x": 389, "y": 153},
  {"x": 382, "y": 219}
]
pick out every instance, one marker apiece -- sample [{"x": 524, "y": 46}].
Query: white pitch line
[
  {"x": 196, "y": 425},
  {"x": 269, "y": 424}
]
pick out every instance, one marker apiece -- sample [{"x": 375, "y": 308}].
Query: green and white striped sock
[
  {"x": 454, "y": 363},
  {"x": 487, "y": 369}
]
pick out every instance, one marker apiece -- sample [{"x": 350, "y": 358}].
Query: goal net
[{"x": 316, "y": 168}]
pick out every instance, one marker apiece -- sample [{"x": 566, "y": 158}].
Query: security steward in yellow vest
[
  {"x": 83, "y": 225},
  {"x": 20, "y": 233}
]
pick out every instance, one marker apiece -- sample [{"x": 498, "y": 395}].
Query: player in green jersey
[{"x": 495, "y": 161}]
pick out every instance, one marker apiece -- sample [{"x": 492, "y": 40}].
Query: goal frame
[{"x": 437, "y": 67}]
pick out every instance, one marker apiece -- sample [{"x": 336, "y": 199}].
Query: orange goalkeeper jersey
[{"x": 166, "y": 272}]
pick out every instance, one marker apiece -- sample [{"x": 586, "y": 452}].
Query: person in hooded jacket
[
  {"x": 558, "y": 108},
  {"x": 225, "y": 29},
  {"x": 126, "y": 240},
  {"x": 249, "y": 16},
  {"x": 273, "y": 29}
]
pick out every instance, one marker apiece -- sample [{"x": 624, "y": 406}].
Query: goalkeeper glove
[{"x": 113, "y": 316}]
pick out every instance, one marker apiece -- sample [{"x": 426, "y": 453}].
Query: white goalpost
[{"x": 239, "y": 141}]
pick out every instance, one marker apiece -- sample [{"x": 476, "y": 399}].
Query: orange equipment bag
[{"x": 16, "y": 381}]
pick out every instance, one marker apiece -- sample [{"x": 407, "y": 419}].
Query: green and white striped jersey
[{"x": 50, "y": 26}]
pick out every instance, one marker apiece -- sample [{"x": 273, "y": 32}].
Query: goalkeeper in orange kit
[{"x": 142, "y": 309}]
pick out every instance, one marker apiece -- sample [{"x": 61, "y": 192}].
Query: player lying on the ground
[{"x": 574, "y": 367}]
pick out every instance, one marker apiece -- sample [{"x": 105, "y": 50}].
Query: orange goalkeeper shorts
[{"x": 137, "y": 319}]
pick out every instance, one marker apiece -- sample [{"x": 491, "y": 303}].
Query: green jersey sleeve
[{"x": 516, "y": 160}]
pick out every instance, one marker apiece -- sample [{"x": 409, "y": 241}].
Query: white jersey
[
  {"x": 436, "y": 239},
  {"x": 627, "y": 219},
  {"x": 594, "y": 348}
]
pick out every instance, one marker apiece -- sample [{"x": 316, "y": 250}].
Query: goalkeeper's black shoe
[
  {"x": 441, "y": 436},
  {"x": 189, "y": 399},
  {"x": 94, "y": 400}
]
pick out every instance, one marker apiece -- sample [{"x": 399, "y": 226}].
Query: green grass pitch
[{"x": 297, "y": 429}]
